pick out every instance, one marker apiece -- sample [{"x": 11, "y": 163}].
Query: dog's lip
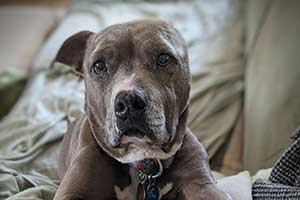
[
  {"x": 131, "y": 132},
  {"x": 134, "y": 132}
]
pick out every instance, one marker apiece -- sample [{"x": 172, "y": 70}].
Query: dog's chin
[{"x": 140, "y": 148}]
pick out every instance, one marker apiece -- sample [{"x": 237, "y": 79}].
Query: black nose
[{"x": 130, "y": 104}]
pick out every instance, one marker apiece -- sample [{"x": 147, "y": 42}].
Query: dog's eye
[
  {"x": 163, "y": 59},
  {"x": 99, "y": 67}
]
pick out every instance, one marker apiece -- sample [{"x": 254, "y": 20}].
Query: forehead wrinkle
[
  {"x": 111, "y": 31},
  {"x": 102, "y": 43},
  {"x": 157, "y": 34},
  {"x": 110, "y": 35},
  {"x": 172, "y": 39},
  {"x": 149, "y": 38},
  {"x": 100, "y": 46},
  {"x": 170, "y": 46},
  {"x": 114, "y": 37},
  {"x": 159, "y": 41}
]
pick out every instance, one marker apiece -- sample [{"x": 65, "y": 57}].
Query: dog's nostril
[
  {"x": 120, "y": 108},
  {"x": 129, "y": 104},
  {"x": 138, "y": 103}
]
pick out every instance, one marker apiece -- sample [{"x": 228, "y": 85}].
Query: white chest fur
[{"x": 129, "y": 192}]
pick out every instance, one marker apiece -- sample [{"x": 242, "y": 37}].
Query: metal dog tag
[
  {"x": 149, "y": 171},
  {"x": 152, "y": 193}
]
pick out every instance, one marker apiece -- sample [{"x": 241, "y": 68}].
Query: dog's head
[{"x": 137, "y": 84}]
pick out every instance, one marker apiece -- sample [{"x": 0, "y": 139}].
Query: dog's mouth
[
  {"x": 136, "y": 144},
  {"x": 134, "y": 132}
]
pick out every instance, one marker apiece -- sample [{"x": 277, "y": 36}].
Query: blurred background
[{"x": 244, "y": 60}]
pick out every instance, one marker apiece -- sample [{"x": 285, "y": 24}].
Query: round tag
[{"x": 152, "y": 193}]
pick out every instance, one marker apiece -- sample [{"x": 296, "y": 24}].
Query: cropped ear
[{"x": 72, "y": 51}]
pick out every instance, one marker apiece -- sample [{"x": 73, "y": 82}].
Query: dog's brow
[
  {"x": 106, "y": 36},
  {"x": 159, "y": 42},
  {"x": 162, "y": 39},
  {"x": 103, "y": 45},
  {"x": 169, "y": 45},
  {"x": 105, "y": 40}
]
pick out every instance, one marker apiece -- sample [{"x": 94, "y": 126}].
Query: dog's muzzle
[{"x": 130, "y": 107}]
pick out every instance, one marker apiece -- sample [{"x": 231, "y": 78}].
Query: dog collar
[{"x": 149, "y": 171}]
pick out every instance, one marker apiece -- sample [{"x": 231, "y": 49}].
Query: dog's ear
[{"x": 72, "y": 51}]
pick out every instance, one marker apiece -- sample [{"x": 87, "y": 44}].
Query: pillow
[{"x": 238, "y": 186}]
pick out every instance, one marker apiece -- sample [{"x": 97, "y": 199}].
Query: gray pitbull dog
[{"x": 132, "y": 141}]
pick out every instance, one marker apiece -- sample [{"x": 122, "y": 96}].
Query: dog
[{"x": 132, "y": 142}]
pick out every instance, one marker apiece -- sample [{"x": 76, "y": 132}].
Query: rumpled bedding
[
  {"x": 31, "y": 134},
  {"x": 21, "y": 27}
]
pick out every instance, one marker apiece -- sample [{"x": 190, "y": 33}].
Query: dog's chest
[{"x": 130, "y": 192}]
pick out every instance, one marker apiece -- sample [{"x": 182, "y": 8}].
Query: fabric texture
[
  {"x": 34, "y": 23},
  {"x": 272, "y": 103},
  {"x": 238, "y": 186},
  {"x": 284, "y": 181},
  {"x": 12, "y": 83},
  {"x": 23, "y": 31},
  {"x": 32, "y": 132}
]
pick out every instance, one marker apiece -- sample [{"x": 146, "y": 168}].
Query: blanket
[{"x": 32, "y": 132}]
